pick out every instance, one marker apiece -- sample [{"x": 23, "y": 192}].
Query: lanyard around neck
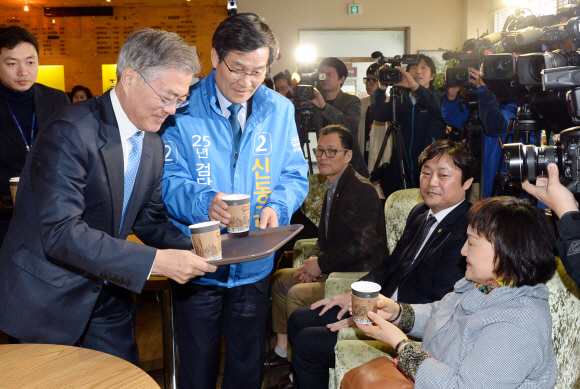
[{"x": 20, "y": 129}]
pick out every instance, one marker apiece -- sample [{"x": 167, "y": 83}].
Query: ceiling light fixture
[{"x": 26, "y": 6}]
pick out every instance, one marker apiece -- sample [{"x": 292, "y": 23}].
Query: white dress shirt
[{"x": 126, "y": 128}]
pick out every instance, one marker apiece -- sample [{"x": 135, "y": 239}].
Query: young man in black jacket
[
  {"x": 351, "y": 236},
  {"x": 419, "y": 114}
]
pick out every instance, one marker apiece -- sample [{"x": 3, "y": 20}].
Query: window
[{"x": 538, "y": 7}]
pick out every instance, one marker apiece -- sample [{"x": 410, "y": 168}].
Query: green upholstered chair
[
  {"x": 397, "y": 209},
  {"x": 354, "y": 349},
  {"x": 312, "y": 208}
]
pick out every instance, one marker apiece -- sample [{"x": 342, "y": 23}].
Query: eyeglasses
[
  {"x": 168, "y": 103},
  {"x": 370, "y": 81},
  {"x": 237, "y": 74},
  {"x": 330, "y": 153}
]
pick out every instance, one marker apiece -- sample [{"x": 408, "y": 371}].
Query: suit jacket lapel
[
  {"x": 446, "y": 223},
  {"x": 341, "y": 182},
  {"x": 111, "y": 152}
]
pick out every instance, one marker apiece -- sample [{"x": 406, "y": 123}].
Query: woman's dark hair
[
  {"x": 244, "y": 32},
  {"x": 77, "y": 88},
  {"x": 459, "y": 154},
  {"x": 12, "y": 36},
  {"x": 344, "y": 134},
  {"x": 429, "y": 62},
  {"x": 337, "y": 64},
  {"x": 522, "y": 236}
]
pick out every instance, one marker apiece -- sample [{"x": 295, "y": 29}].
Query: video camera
[
  {"x": 391, "y": 75},
  {"x": 473, "y": 52},
  {"x": 528, "y": 162},
  {"x": 305, "y": 90}
]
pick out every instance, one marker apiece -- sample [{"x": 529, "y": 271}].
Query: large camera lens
[
  {"x": 536, "y": 67},
  {"x": 502, "y": 66},
  {"x": 527, "y": 162},
  {"x": 304, "y": 92},
  {"x": 388, "y": 76},
  {"x": 457, "y": 77}
]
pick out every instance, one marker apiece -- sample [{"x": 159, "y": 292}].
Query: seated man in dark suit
[
  {"x": 351, "y": 236},
  {"x": 423, "y": 267},
  {"x": 25, "y": 105},
  {"x": 94, "y": 174}
]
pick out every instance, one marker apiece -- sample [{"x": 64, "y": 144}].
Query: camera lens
[
  {"x": 527, "y": 162},
  {"x": 303, "y": 92},
  {"x": 501, "y": 66},
  {"x": 461, "y": 77},
  {"x": 536, "y": 67}
]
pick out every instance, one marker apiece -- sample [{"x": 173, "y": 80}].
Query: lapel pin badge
[{"x": 439, "y": 231}]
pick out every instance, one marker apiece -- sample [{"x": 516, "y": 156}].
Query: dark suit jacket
[
  {"x": 356, "y": 227},
  {"x": 12, "y": 147},
  {"x": 438, "y": 266},
  {"x": 346, "y": 111},
  {"x": 65, "y": 239}
]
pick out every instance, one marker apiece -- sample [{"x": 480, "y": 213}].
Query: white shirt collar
[
  {"x": 126, "y": 128},
  {"x": 441, "y": 214},
  {"x": 225, "y": 103}
]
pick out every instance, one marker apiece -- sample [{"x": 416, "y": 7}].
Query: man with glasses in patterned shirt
[{"x": 235, "y": 136}]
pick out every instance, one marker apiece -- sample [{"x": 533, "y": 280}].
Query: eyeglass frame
[
  {"x": 167, "y": 103},
  {"x": 240, "y": 72},
  {"x": 367, "y": 79},
  {"x": 324, "y": 151}
]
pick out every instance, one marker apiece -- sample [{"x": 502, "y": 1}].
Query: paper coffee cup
[
  {"x": 364, "y": 298},
  {"x": 239, "y": 209},
  {"x": 206, "y": 239},
  {"x": 14, "y": 187}
]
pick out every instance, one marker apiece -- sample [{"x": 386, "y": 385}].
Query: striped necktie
[
  {"x": 235, "y": 123},
  {"x": 132, "y": 168}
]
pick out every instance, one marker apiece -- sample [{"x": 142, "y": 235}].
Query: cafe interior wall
[{"x": 83, "y": 44}]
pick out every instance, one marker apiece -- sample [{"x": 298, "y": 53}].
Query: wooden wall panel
[{"x": 83, "y": 44}]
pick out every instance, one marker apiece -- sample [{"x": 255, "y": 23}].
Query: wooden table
[{"x": 52, "y": 366}]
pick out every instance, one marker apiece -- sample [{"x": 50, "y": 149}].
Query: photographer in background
[
  {"x": 339, "y": 107},
  {"x": 283, "y": 84},
  {"x": 495, "y": 110},
  {"x": 420, "y": 111},
  {"x": 366, "y": 123},
  {"x": 561, "y": 201}
]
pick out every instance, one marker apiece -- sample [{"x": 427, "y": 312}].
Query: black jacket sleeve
[
  {"x": 357, "y": 219},
  {"x": 348, "y": 116},
  {"x": 494, "y": 122},
  {"x": 568, "y": 244}
]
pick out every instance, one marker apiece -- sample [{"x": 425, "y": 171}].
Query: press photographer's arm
[{"x": 557, "y": 197}]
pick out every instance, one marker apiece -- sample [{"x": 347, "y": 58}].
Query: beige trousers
[{"x": 288, "y": 294}]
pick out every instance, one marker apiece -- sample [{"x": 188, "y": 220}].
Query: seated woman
[{"x": 495, "y": 329}]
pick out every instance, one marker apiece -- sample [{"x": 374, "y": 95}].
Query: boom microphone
[
  {"x": 491, "y": 39},
  {"x": 529, "y": 36}
]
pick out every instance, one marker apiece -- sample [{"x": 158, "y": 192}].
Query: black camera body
[
  {"x": 305, "y": 91},
  {"x": 391, "y": 75},
  {"x": 527, "y": 162}
]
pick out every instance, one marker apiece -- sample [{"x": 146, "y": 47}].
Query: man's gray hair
[{"x": 150, "y": 52}]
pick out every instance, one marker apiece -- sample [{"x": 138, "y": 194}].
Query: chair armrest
[
  {"x": 339, "y": 283},
  {"x": 353, "y": 353},
  {"x": 302, "y": 250}
]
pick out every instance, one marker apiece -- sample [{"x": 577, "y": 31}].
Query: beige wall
[{"x": 433, "y": 24}]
